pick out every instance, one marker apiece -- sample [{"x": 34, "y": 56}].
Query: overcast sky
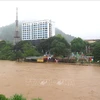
[{"x": 77, "y": 18}]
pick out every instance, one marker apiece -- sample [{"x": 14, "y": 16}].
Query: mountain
[
  {"x": 68, "y": 37},
  {"x": 7, "y": 33}
]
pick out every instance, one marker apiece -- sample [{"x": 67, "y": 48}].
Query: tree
[
  {"x": 3, "y": 97},
  {"x": 6, "y": 51},
  {"x": 24, "y": 49},
  {"x": 48, "y": 45},
  {"x": 78, "y": 45},
  {"x": 59, "y": 48},
  {"x": 96, "y": 51}
]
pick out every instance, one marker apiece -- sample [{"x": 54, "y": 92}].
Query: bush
[
  {"x": 96, "y": 51},
  {"x": 17, "y": 97},
  {"x": 2, "y": 97}
]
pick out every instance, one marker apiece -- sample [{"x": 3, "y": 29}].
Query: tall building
[{"x": 42, "y": 29}]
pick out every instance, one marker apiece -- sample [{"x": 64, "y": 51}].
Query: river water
[{"x": 50, "y": 81}]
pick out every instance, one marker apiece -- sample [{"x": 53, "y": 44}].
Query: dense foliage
[
  {"x": 6, "y": 51},
  {"x": 3, "y": 97},
  {"x": 96, "y": 51},
  {"x": 24, "y": 49},
  {"x": 16, "y": 97},
  {"x": 78, "y": 45},
  {"x": 56, "y": 45},
  {"x": 20, "y": 50}
]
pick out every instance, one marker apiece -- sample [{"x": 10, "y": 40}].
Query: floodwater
[{"x": 50, "y": 81}]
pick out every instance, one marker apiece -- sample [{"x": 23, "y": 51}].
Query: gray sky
[{"x": 77, "y": 18}]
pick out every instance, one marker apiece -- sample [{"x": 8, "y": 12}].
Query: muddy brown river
[{"x": 50, "y": 81}]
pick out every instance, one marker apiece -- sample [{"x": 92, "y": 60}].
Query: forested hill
[
  {"x": 68, "y": 37},
  {"x": 7, "y": 33}
]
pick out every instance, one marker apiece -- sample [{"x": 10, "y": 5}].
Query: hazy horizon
[{"x": 76, "y": 18}]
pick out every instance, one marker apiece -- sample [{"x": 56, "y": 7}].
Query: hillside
[
  {"x": 7, "y": 33},
  {"x": 69, "y": 38}
]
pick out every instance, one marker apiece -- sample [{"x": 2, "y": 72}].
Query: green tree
[
  {"x": 59, "y": 48},
  {"x": 47, "y": 45},
  {"x": 96, "y": 51},
  {"x": 6, "y": 51},
  {"x": 2, "y": 97},
  {"x": 78, "y": 45},
  {"x": 25, "y": 48}
]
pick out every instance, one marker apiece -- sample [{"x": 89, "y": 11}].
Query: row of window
[
  {"x": 34, "y": 35},
  {"x": 38, "y": 28},
  {"x": 26, "y": 38},
  {"x": 39, "y": 24},
  {"x": 40, "y": 33},
  {"x": 25, "y": 35},
  {"x": 45, "y": 29},
  {"x": 36, "y": 32},
  {"x": 43, "y": 25},
  {"x": 41, "y": 30},
  {"x": 39, "y": 37},
  {"x": 35, "y": 28}
]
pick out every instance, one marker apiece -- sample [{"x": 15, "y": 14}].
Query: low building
[{"x": 92, "y": 40}]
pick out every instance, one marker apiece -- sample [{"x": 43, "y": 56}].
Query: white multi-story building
[{"x": 42, "y": 29}]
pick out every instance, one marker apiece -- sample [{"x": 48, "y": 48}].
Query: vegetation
[
  {"x": 22, "y": 49},
  {"x": 78, "y": 45},
  {"x": 25, "y": 48},
  {"x": 96, "y": 51},
  {"x": 6, "y": 51},
  {"x": 56, "y": 45},
  {"x": 2, "y": 97},
  {"x": 16, "y": 97}
]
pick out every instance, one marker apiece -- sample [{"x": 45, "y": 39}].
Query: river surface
[{"x": 50, "y": 81}]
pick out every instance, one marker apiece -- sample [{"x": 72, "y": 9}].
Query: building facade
[{"x": 42, "y": 29}]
